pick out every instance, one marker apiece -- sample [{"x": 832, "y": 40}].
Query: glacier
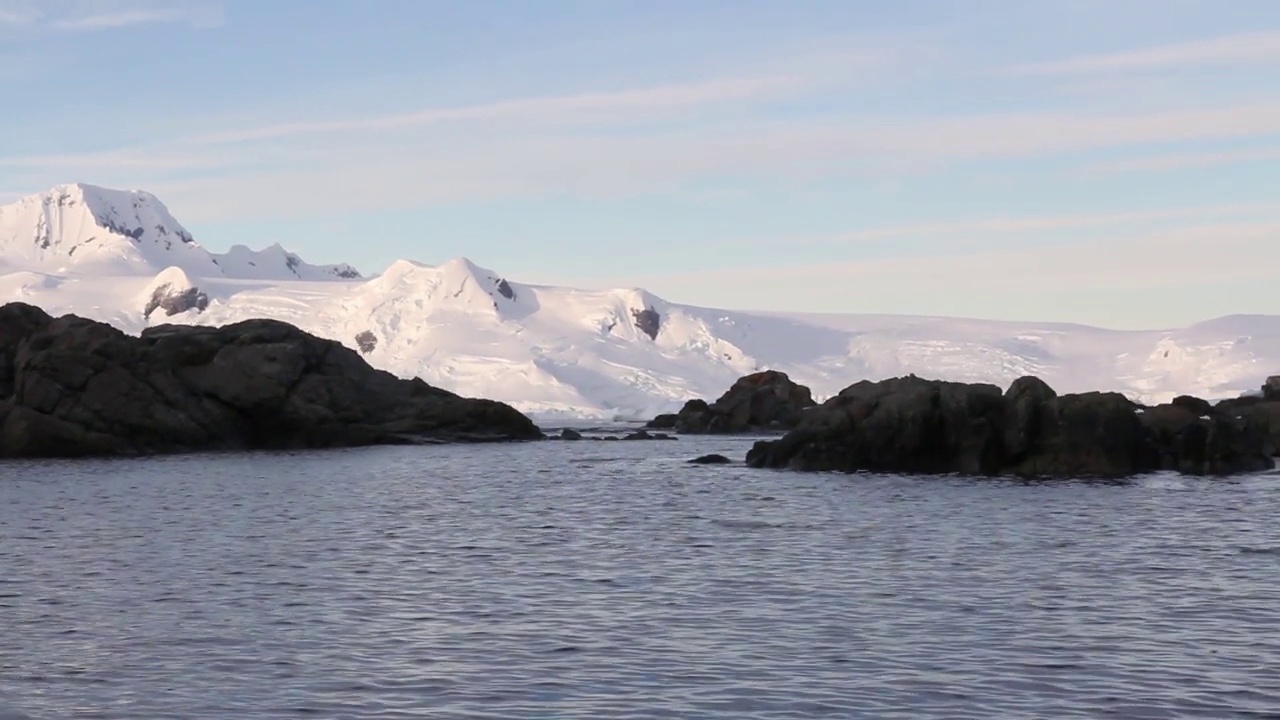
[{"x": 558, "y": 352}]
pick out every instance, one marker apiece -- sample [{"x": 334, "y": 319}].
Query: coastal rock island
[
  {"x": 72, "y": 387},
  {"x": 921, "y": 426},
  {"x": 763, "y": 401}
]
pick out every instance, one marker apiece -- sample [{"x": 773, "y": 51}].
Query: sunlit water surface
[{"x": 612, "y": 580}]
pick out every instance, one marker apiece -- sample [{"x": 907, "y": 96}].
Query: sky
[{"x": 1109, "y": 162}]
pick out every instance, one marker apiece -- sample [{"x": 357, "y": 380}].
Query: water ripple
[{"x": 549, "y": 581}]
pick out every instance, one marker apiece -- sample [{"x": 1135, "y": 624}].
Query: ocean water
[{"x": 612, "y": 580}]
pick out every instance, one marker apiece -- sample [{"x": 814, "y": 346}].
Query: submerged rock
[
  {"x": 75, "y": 387},
  {"x": 762, "y": 401},
  {"x": 645, "y": 435},
  {"x": 713, "y": 459},
  {"x": 919, "y": 426}
]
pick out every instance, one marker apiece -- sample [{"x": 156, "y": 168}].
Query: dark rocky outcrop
[
  {"x": 645, "y": 435},
  {"x": 713, "y": 459},
  {"x": 763, "y": 401},
  {"x": 1262, "y": 409},
  {"x": 505, "y": 290},
  {"x": 648, "y": 322},
  {"x": 366, "y": 341},
  {"x": 570, "y": 434},
  {"x": 919, "y": 426},
  {"x": 74, "y": 387},
  {"x": 173, "y": 301},
  {"x": 1271, "y": 388}
]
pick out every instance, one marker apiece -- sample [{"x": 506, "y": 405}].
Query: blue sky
[{"x": 1114, "y": 163}]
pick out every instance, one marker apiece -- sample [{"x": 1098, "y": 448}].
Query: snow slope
[{"x": 615, "y": 354}]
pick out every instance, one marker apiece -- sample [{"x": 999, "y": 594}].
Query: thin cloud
[
  {"x": 1119, "y": 264},
  {"x": 1039, "y": 223},
  {"x": 1181, "y": 161},
  {"x": 370, "y": 172},
  {"x": 670, "y": 97},
  {"x": 85, "y": 16},
  {"x": 1238, "y": 49}
]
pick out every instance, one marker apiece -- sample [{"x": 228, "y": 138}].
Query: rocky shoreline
[
  {"x": 919, "y": 426},
  {"x": 73, "y": 387}
]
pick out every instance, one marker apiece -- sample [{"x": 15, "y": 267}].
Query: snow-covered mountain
[
  {"x": 621, "y": 353},
  {"x": 94, "y": 230}
]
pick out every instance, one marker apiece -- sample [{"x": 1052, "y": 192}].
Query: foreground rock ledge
[
  {"x": 72, "y": 387},
  {"x": 918, "y": 426}
]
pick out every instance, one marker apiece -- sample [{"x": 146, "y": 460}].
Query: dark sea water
[{"x": 611, "y": 580}]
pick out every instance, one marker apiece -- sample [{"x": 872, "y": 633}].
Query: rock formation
[
  {"x": 762, "y": 401},
  {"x": 74, "y": 387},
  {"x": 173, "y": 292},
  {"x": 1271, "y": 388},
  {"x": 648, "y": 321},
  {"x": 1262, "y": 409},
  {"x": 919, "y": 426}
]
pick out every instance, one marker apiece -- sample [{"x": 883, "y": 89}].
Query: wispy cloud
[
  {"x": 1050, "y": 282},
  {"x": 1039, "y": 224},
  {"x": 570, "y": 108},
  {"x": 94, "y": 15},
  {"x": 17, "y": 14},
  {"x": 1180, "y": 161},
  {"x": 1241, "y": 48},
  {"x": 472, "y": 161}
]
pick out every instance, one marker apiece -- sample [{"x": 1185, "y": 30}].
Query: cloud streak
[
  {"x": 1182, "y": 161},
  {"x": 1237, "y": 49},
  {"x": 564, "y": 108},
  {"x": 1099, "y": 271},
  {"x": 89, "y": 16},
  {"x": 1041, "y": 223}
]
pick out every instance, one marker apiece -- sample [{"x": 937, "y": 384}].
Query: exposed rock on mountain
[
  {"x": 766, "y": 400},
  {"x": 913, "y": 425},
  {"x": 648, "y": 322},
  {"x": 366, "y": 342},
  {"x": 74, "y": 387},
  {"x": 173, "y": 292}
]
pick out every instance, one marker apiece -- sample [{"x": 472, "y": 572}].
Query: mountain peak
[
  {"x": 102, "y": 231},
  {"x": 113, "y": 231},
  {"x": 457, "y": 283}
]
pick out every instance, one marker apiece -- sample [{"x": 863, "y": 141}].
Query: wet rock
[
  {"x": 1257, "y": 410},
  {"x": 73, "y": 387},
  {"x": 570, "y": 434},
  {"x": 712, "y": 459},
  {"x": 918, "y": 426},
  {"x": 645, "y": 435}
]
